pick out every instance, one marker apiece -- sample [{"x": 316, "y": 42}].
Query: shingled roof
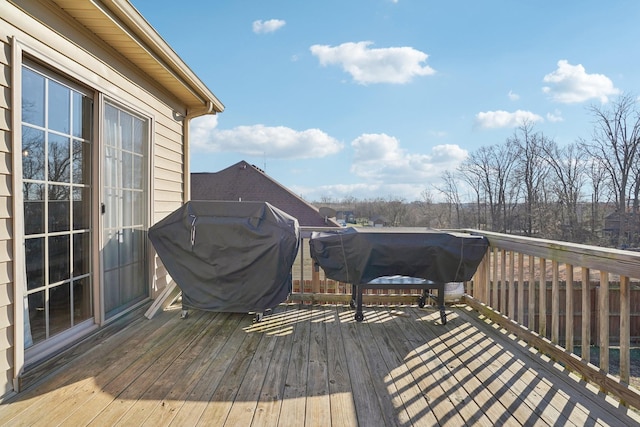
[{"x": 246, "y": 182}]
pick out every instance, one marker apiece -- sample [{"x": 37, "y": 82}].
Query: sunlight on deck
[{"x": 314, "y": 365}]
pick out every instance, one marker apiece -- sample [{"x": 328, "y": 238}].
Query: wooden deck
[{"x": 315, "y": 366}]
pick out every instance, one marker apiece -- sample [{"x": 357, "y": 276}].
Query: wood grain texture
[{"x": 313, "y": 365}]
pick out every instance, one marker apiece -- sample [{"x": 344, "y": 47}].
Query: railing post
[
  {"x": 480, "y": 280},
  {"x": 586, "y": 314},
  {"x": 569, "y": 309},
  {"x": 315, "y": 280},
  {"x": 603, "y": 320}
]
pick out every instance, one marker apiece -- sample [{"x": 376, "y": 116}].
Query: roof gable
[{"x": 245, "y": 182}]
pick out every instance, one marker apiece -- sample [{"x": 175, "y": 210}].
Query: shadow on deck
[{"x": 312, "y": 365}]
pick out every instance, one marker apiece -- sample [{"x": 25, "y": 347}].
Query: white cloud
[
  {"x": 409, "y": 192},
  {"x": 438, "y": 133},
  {"x": 201, "y": 127},
  {"x": 384, "y": 170},
  {"x": 276, "y": 142},
  {"x": 555, "y": 117},
  {"x": 387, "y": 65},
  {"x": 505, "y": 119},
  {"x": 270, "y": 26},
  {"x": 513, "y": 96},
  {"x": 571, "y": 84},
  {"x": 379, "y": 158}
]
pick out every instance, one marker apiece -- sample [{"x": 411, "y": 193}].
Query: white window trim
[{"x": 19, "y": 268}]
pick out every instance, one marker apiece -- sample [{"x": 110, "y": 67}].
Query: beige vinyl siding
[
  {"x": 168, "y": 171},
  {"x": 96, "y": 66},
  {"x": 7, "y": 289}
]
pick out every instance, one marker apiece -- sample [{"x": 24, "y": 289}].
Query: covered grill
[
  {"x": 228, "y": 256},
  {"x": 364, "y": 257}
]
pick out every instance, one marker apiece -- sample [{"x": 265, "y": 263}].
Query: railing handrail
[{"x": 616, "y": 261}]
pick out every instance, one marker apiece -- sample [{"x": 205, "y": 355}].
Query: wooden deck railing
[{"x": 573, "y": 302}]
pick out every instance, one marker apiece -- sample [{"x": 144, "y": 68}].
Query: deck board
[
  {"x": 312, "y": 365},
  {"x": 271, "y": 395}
]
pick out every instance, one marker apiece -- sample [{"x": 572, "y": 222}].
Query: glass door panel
[
  {"x": 124, "y": 213},
  {"x": 56, "y": 165}
]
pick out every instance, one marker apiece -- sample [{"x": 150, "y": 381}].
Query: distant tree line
[{"x": 584, "y": 192}]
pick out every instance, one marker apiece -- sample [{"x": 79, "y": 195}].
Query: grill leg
[
  {"x": 443, "y": 314},
  {"x": 359, "y": 315}
]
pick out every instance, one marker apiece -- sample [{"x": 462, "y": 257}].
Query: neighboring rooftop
[{"x": 246, "y": 182}]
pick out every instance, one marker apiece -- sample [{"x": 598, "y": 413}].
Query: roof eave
[{"x": 117, "y": 22}]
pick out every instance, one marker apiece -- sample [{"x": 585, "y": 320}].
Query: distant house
[
  {"x": 614, "y": 223},
  {"x": 348, "y": 217},
  {"x": 244, "y": 181},
  {"x": 94, "y": 116},
  {"x": 379, "y": 221}
]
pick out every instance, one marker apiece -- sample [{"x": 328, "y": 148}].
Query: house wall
[
  {"x": 6, "y": 266},
  {"x": 46, "y": 32}
]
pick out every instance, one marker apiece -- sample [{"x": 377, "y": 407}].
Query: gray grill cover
[
  {"x": 228, "y": 256},
  {"x": 360, "y": 255}
]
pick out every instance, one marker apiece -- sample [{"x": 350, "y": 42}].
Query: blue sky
[{"x": 377, "y": 98}]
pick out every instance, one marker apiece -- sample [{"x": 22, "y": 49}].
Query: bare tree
[
  {"x": 493, "y": 168},
  {"x": 425, "y": 207},
  {"x": 395, "y": 210},
  {"x": 568, "y": 168},
  {"x": 530, "y": 173},
  {"x": 596, "y": 175},
  {"x": 452, "y": 198},
  {"x": 616, "y": 145}
]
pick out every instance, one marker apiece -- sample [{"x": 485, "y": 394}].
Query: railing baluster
[
  {"x": 625, "y": 332},
  {"x": 521, "y": 288},
  {"x": 532, "y": 293},
  {"x": 586, "y": 314},
  {"x": 487, "y": 277},
  {"x": 512, "y": 287},
  {"x": 603, "y": 320},
  {"x": 542, "y": 303},
  {"x": 569, "y": 308},
  {"x": 494, "y": 298},
  {"x": 555, "y": 303},
  {"x": 503, "y": 282}
]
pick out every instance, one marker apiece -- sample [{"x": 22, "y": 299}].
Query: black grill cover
[
  {"x": 360, "y": 255},
  {"x": 228, "y": 256}
]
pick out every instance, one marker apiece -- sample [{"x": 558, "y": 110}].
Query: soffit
[{"x": 123, "y": 28}]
